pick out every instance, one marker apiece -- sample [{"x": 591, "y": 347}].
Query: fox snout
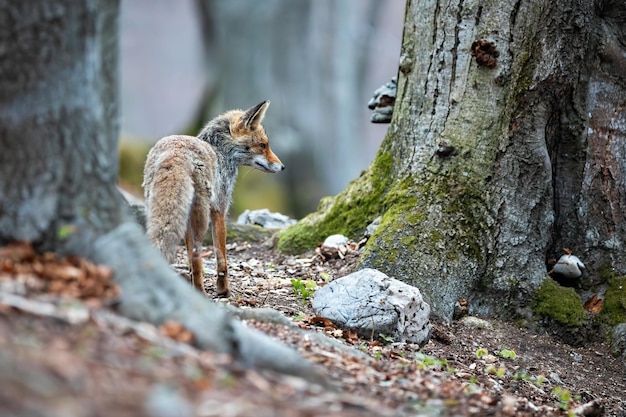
[{"x": 268, "y": 164}]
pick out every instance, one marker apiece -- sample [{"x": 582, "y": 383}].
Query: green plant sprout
[
  {"x": 66, "y": 231},
  {"x": 424, "y": 361},
  {"x": 507, "y": 354},
  {"x": 386, "y": 338},
  {"x": 303, "y": 289},
  {"x": 481, "y": 353},
  {"x": 563, "y": 396}
]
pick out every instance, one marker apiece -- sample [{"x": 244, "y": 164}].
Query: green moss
[
  {"x": 606, "y": 272},
  {"x": 614, "y": 308},
  {"x": 451, "y": 198},
  {"x": 466, "y": 212},
  {"x": 349, "y": 213},
  {"x": 560, "y": 304},
  {"x": 400, "y": 207}
]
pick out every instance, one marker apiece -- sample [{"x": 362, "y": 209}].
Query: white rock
[
  {"x": 569, "y": 266},
  {"x": 369, "y": 301},
  {"x": 335, "y": 241},
  {"x": 265, "y": 218}
]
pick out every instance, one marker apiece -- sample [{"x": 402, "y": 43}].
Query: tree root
[{"x": 152, "y": 292}]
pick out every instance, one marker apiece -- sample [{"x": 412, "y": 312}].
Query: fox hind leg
[{"x": 196, "y": 230}]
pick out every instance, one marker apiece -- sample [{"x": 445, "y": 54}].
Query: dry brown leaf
[
  {"x": 69, "y": 276},
  {"x": 594, "y": 304},
  {"x": 175, "y": 330},
  {"x": 322, "y": 322}
]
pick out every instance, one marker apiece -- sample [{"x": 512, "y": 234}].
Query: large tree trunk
[
  {"x": 532, "y": 154},
  {"x": 58, "y": 170}
]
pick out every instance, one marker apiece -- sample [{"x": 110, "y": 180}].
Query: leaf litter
[{"x": 64, "y": 350}]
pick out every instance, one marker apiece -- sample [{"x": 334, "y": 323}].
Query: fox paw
[{"x": 223, "y": 294}]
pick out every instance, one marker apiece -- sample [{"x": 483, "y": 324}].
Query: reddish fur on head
[{"x": 246, "y": 129}]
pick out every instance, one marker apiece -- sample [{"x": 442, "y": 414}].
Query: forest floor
[{"x": 64, "y": 351}]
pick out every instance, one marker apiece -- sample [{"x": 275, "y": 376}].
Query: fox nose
[{"x": 282, "y": 167}]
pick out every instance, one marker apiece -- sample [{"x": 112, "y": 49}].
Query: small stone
[
  {"x": 371, "y": 228},
  {"x": 471, "y": 321},
  {"x": 490, "y": 359},
  {"x": 335, "y": 241},
  {"x": 569, "y": 266},
  {"x": 555, "y": 378}
]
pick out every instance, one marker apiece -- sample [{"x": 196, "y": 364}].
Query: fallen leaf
[
  {"x": 175, "y": 330},
  {"x": 594, "y": 304}
]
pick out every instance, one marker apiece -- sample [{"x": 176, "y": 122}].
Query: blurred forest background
[{"x": 185, "y": 61}]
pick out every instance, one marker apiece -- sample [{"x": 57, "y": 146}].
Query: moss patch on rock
[
  {"x": 348, "y": 213},
  {"x": 614, "y": 308},
  {"x": 561, "y": 305}
]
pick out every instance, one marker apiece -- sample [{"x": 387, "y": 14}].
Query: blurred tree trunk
[
  {"x": 58, "y": 170},
  {"x": 310, "y": 58},
  {"x": 496, "y": 162}
]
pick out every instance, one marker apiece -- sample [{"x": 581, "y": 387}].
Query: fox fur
[{"x": 188, "y": 184}]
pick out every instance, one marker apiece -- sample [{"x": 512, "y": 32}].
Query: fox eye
[{"x": 263, "y": 146}]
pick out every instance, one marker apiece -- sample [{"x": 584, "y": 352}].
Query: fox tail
[{"x": 169, "y": 197}]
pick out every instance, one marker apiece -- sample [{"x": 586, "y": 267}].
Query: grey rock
[
  {"x": 371, "y": 228},
  {"x": 265, "y": 218},
  {"x": 371, "y": 303}
]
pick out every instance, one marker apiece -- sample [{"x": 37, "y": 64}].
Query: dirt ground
[{"x": 65, "y": 354}]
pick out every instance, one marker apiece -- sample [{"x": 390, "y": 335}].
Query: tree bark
[
  {"x": 495, "y": 160},
  {"x": 58, "y": 170}
]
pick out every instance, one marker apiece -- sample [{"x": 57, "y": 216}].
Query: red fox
[{"x": 188, "y": 182}]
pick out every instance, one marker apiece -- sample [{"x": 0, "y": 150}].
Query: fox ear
[{"x": 254, "y": 115}]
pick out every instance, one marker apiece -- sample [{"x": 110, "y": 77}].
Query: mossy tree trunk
[
  {"x": 58, "y": 170},
  {"x": 494, "y": 163}
]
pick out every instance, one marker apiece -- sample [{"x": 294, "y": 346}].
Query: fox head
[{"x": 253, "y": 146}]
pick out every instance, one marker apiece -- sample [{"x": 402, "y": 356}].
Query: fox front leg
[{"x": 218, "y": 222}]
